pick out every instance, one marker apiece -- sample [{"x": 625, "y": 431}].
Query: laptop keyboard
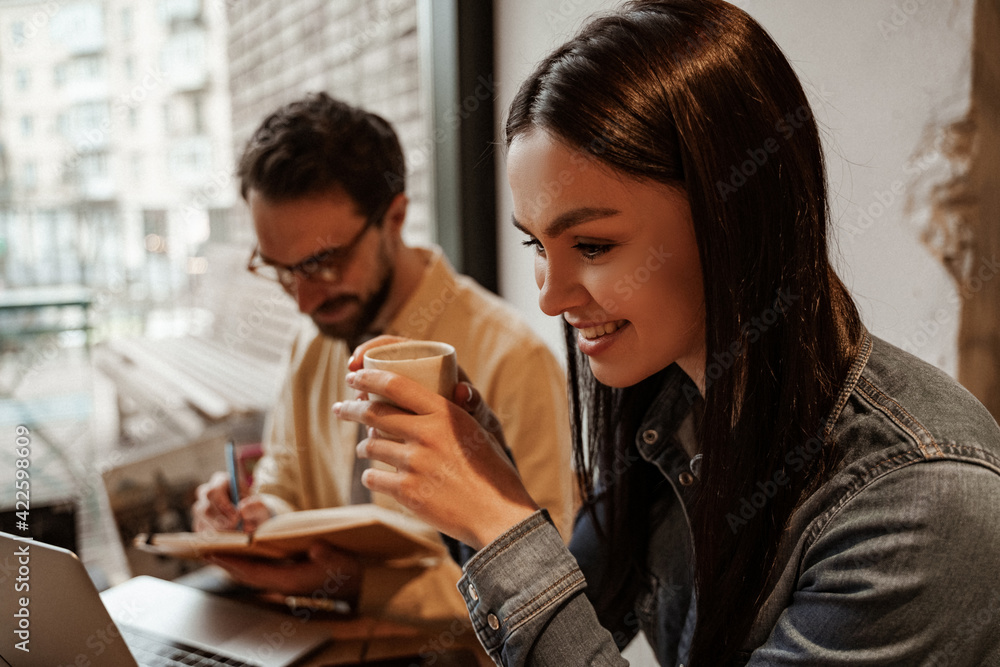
[{"x": 150, "y": 650}]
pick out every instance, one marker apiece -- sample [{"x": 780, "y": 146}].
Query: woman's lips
[
  {"x": 599, "y": 330},
  {"x": 596, "y": 339}
]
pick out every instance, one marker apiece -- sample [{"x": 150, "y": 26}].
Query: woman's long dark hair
[{"x": 695, "y": 94}]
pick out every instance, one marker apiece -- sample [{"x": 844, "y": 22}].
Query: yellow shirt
[{"x": 309, "y": 454}]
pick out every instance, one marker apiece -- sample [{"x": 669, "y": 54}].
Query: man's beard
[{"x": 358, "y": 328}]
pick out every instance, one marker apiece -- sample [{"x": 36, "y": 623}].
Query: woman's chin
[{"x": 613, "y": 375}]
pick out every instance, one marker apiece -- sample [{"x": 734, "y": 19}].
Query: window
[
  {"x": 27, "y": 126},
  {"x": 89, "y": 67},
  {"x": 197, "y": 117},
  {"x": 184, "y": 60},
  {"x": 89, "y": 116},
  {"x": 29, "y": 175},
  {"x": 179, "y": 10},
  {"x": 126, "y": 19},
  {"x": 168, "y": 118},
  {"x": 23, "y": 77},
  {"x": 79, "y": 27},
  {"x": 17, "y": 32}
]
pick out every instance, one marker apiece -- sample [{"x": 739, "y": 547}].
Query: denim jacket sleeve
[
  {"x": 904, "y": 572},
  {"x": 525, "y": 596}
]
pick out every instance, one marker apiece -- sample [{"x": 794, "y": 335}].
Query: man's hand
[
  {"x": 213, "y": 509},
  {"x": 326, "y": 571}
]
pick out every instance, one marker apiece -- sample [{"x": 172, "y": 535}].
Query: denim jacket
[{"x": 895, "y": 560}]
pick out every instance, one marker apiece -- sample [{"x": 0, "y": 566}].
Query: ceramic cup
[{"x": 430, "y": 363}]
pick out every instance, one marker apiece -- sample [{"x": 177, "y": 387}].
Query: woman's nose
[{"x": 558, "y": 289}]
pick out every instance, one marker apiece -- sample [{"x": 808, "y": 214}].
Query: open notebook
[{"x": 51, "y": 614}]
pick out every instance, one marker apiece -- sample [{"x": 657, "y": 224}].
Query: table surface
[{"x": 365, "y": 640}]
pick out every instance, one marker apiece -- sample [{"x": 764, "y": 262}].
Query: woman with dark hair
[{"x": 764, "y": 482}]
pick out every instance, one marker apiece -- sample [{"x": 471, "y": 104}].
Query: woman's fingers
[
  {"x": 397, "y": 389},
  {"x": 469, "y": 399},
  {"x": 390, "y": 452},
  {"x": 384, "y": 481},
  {"x": 356, "y": 362}
]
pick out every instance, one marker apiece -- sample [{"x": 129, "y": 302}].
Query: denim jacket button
[
  {"x": 650, "y": 436},
  {"x": 685, "y": 478},
  {"x": 472, "y": 592},
  {"x": 493, "y": 621}
]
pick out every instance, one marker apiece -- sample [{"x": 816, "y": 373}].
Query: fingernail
[
  {"x": 350, "y": 378},
  {"x": 336, "y": 407},
  {"x": 350, "y": 360}
]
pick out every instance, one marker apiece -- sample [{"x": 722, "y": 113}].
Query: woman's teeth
[{"x": 601, "y": 329}]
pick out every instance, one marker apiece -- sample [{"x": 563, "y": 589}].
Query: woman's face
[{"x": 616, "y": 257}]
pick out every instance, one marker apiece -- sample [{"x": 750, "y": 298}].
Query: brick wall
[{"x": 361, "y": 51}]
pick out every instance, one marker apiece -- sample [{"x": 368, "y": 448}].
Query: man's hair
[{"x": 318, "y": 144}]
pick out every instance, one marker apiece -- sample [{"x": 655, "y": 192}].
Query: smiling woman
[
  {"x": 754, "y": 464},
  {"x": 593, "y": 241}
]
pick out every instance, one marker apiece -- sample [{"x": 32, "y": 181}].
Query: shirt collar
[
  {"x": 437, "y": 288},
  {"x": 669, "y": 421}
]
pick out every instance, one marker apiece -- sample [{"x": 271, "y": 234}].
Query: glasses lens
[
  {"x": 265, "y": 271},
  {"x": 278, "y": 274}
]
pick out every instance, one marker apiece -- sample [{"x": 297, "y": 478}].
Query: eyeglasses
[{"x": 326, "y": 266}]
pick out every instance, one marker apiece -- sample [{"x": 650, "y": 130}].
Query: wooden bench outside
[{"x": 174, "y": 390}]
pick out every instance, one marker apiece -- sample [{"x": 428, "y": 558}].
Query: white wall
[{"x": 884, "y": 77}]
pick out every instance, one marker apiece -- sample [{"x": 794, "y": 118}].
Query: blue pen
[{"x": 234, "y": 480}]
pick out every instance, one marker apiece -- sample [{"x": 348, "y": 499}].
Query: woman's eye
[
  {"x": 593, "y": 250},
  {"x": 534, "y": 243}
]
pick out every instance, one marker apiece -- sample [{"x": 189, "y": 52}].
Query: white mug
[{"x": 430, "y": 363}]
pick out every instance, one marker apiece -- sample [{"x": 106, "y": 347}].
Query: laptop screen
[
  {"x": 50, "y": 612},
  {"x": 56, "y": 617}
]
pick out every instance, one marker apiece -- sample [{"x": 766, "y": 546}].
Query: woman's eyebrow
[{"x": 570, "y": 219}]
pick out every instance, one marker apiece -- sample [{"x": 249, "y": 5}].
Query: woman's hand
[
  {"x": 357, "y": 360},
  {"x": 465, "y": 394},
  {"x": 449, "y": 470}
]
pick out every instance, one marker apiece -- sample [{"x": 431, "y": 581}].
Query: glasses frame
[{"x": 326, "y": 266}]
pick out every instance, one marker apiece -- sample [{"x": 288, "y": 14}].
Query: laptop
[{"x": 51, "y": 615}]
